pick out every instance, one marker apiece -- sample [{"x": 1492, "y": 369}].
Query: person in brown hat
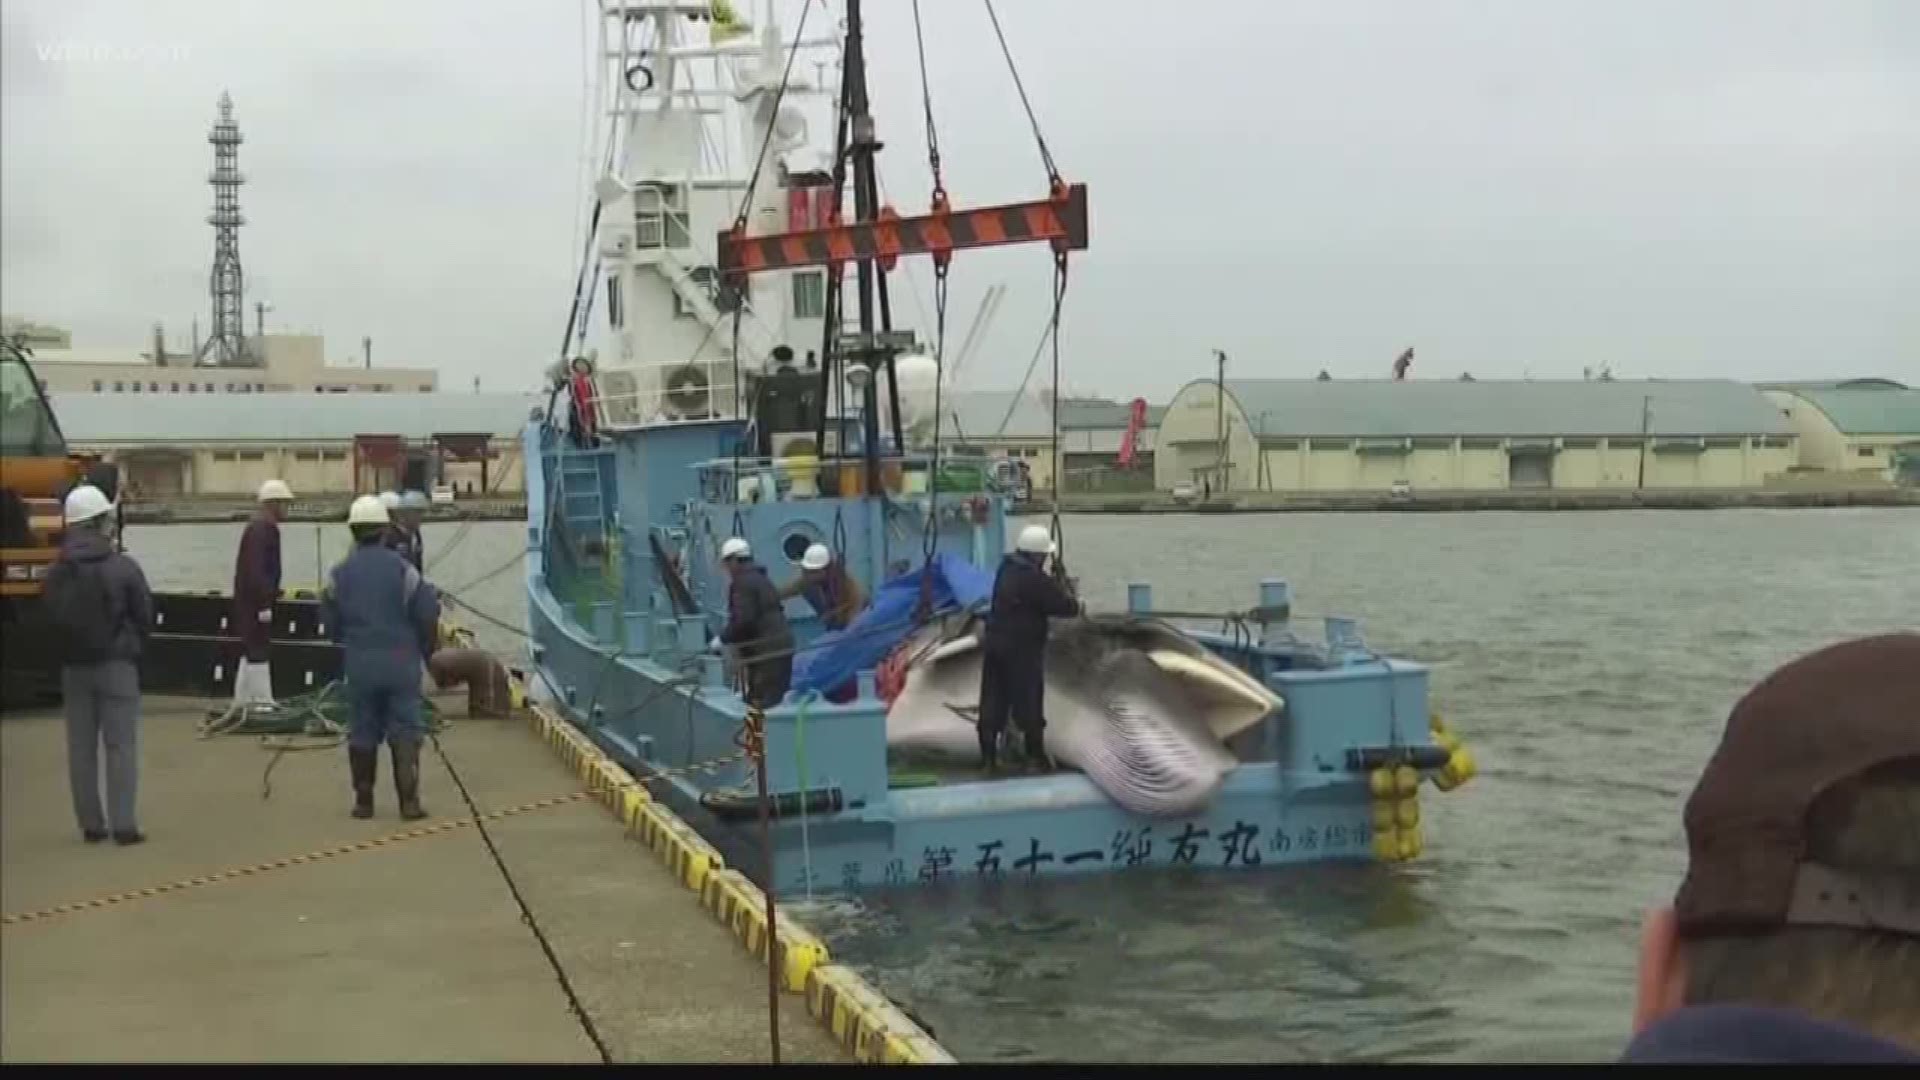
[{"x": 1796, "y": 933}]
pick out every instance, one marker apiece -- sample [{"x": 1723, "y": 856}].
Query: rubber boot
[
  {"x": 365, "y": 766},
  {"x": 1038, "y": 762},
  {"x": 989, "y": 752},
  {"x": 406, "y": 780}
]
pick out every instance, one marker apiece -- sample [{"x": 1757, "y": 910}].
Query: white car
[
  {"x": 1401, "y": 490},
  {"x": 1185, "y": 491},
  {"x": 442, "y": 494}
]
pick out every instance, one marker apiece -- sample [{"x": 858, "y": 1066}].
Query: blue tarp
[{"x": 839, "y": 655}]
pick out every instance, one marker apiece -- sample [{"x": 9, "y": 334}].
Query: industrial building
[
  {"x": 286, "y": 363},
  {"x": 1377, "y": 435},
  {"x": 228, "y": 361},
  {"x": 1869, "y": 426},
  {"x": 320, "y": 444},
  {"x": 1019, "y": 426}
]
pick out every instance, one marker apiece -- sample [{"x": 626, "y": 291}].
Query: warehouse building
[
  {"x": 1322, "y": 435},
  {"x": 320, "y": 444},
  {"x": 1853, "y": 425}
]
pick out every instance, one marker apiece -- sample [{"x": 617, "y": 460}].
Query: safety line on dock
[
  {"x": 297, "y": 860},
  {"x": 868, "y": 1026}
]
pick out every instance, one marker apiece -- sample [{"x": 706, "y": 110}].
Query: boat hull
[{"x": 1307, "y": 802}]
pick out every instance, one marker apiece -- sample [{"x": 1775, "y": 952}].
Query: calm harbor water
[{"x": 1588, "y": 659}]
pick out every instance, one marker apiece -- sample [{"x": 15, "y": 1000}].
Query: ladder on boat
[{"x": 582, "y": 509}]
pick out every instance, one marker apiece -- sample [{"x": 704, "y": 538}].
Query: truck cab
[{"x": 36, "y": 472}]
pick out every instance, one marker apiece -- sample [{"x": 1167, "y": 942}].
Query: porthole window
[{"x": 795, "y": 544}]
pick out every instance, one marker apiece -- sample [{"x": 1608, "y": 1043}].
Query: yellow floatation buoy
[{"x": 1460, "y": 766}]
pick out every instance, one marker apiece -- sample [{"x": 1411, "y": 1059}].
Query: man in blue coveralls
[{"x": 387, "y": 617}]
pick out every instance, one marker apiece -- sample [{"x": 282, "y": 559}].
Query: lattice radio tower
[{"x": 228, "y": 346}]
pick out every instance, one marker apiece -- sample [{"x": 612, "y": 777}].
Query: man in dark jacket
[
  {"x": 256, "y": 585},
  {"x": 405, "y": 532},
  {"x": 1013, "y": 654},
  {"x": 99, "y": 602},
  {"x": 756, "y": 626},
  {"x": 388, "y": 618},
  {"x": 1795, "y": 936}
]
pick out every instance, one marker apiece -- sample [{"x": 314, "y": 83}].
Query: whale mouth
[{"x": 1146, "y": 712}]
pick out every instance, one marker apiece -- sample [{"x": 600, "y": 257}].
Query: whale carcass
[{"x": 1146, "y": 712}]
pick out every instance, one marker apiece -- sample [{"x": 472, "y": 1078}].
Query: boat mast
[
  {"x": 856, "y": 142},
  {"x": 877, "y": 237}
]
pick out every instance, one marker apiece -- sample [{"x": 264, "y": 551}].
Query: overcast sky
[{"x": 1684, "y": 188}]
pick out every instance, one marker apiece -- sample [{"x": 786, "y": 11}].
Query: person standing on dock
[
  {"x": 98, "y": 601},
  {"x": 1014, "y": 649},
  {"x": 832, "y": 592},
  {"x": 256, "y": 585},
  {"x": 410, "y": 507},
  {"x": 756, "y": 626},
  {"x": 379, "y": 608}
]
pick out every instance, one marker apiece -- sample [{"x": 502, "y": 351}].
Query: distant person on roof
[{"x": 1795, "y": 936}]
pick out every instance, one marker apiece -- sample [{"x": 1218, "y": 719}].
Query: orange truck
[{"x": 36, "y": 472}]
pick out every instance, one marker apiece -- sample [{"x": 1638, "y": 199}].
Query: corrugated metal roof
[
  {"x": 1869, "y": 412},
  {"x": 1863, "y": 383},
  {"x": 291, "y": 417},
  {"x": 1382, "y": 408},
  {"x": 284, "y": 417},
  {"x": 978, "y": 414}
]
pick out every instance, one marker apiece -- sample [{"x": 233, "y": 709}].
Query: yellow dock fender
[
  {"x": 1460, "y": 766},
  {"x": 1396, "y": 795}
]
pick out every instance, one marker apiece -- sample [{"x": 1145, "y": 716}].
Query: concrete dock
[{"x": 411, "y": 950}]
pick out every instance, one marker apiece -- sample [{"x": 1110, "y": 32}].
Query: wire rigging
[
  {"x": 1046, "y": 156},
  {"x": 942, "y": 261}
]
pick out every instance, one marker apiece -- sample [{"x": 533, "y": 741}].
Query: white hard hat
[
  {"x": 735, "y": 548},
  {"x": 1034, "y": 540},
  {"x": 816, "y": 558},
  {"x": 276, "y": 489},
  {"x": 85, "y": 503},
  {"x": 390, "y": 500},
  {"x": 414, "y": 500},
  {"x": 368, "y": 510}
]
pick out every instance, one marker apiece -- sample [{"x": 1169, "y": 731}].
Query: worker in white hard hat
[
  {"x": 407, "y": 509},
  {"x": 388, "y": 621},
  {"x": 98, "y": 604},
  {"x": 828, "y": 588},
  {"x": 256, "y": 585},
  {"x": 1013, "y": 653},
  {"x": 756, "y": 626}
]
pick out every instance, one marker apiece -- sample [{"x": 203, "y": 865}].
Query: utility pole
[
  {"x": 1646, "y": 426},
  {"x": 1220, "y": 418}
]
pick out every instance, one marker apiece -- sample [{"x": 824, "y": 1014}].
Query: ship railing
[{"x": 750, "y": 480}]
